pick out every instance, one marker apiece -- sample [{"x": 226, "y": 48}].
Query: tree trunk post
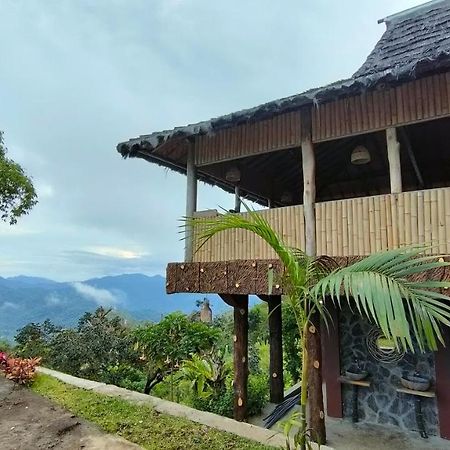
[
  {"x": 240, "y": 354},
  {"x": 191, "y": 202},
  {"x": 395, "y": 170},
  {"x": 312, "y": 336},
  {"x": 276, "y": 349}
]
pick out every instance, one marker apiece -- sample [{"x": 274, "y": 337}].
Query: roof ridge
[{"x": 411, "y": 12}]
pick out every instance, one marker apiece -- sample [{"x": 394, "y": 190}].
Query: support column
[
  {"x": 237, "y": 200},
  {"x": 276, "y": 349},
  {"x": 191, "y": 202},
  {"x": 240, "y": 354},
  {"x": 312, "y": 335},
  {"x": 331, "y": 364},
  {"x": 309, "y": 195},
  {"x": 393, "y": 150},
  {"x": 442, "y": 367}
]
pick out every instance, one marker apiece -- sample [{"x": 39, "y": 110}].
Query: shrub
[{"x": 21, "y": 370}]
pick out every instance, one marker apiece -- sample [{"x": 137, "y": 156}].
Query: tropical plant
[
  {"x": 21, "y": 370},
  {"x": 207, "y": 374},
  {"x": 377, "y": 287},
  {"x": 166, "y": 344}
]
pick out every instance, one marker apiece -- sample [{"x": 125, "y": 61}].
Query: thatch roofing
[{"x": 416, "y": 42}]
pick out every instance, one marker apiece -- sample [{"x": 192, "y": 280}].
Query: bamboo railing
[{"x": 351, "y": 227}]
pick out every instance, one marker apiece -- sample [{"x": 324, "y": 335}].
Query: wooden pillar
[
  {"x": 395, "y": 170},
  {"x": 276, "y": 349},
  {"x": 191, "y": 202},
  {"x": 312, "y": 335},
  {"x": 237, "y": 200},
  {"x": 442, "y": 367},
  {"x": 240, "y": 354},
  {"x": 309, "y": 195},
  {"x": 331, "y": 363}
]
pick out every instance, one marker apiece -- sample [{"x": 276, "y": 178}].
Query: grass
[{"x": 139, "y": 423}]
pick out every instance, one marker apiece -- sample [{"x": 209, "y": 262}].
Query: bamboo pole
[
  {"x": 393, "y": 150},
  {"x": 309, "y": 194},
  {"x": 191, "y": 202}
]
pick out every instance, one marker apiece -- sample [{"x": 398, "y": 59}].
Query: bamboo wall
[
  {"x": 277, "y": 133},
  {"x": 423, "y": 99},
  {"x": 415, "y": 101},
  {"x": 350, "y": 227}
]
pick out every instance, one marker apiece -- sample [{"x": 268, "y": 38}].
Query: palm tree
[{"x": 377, "y": 287}]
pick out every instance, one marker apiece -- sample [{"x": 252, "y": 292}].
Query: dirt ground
[{"x": 31, "y": 422}]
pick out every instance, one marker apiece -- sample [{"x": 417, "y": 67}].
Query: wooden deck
[{"x": 349, "y": 227}]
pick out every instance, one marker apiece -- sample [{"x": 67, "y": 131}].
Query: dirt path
[{"x": 31, "y": 422}]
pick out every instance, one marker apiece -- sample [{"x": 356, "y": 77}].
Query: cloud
[
  {"x": 8, "y": 305},
  {"x": 137, "y": 67},
  {"x": 102, "y": 297},
  {"x": 53, "y": 300},
  {"x": 116, "y": 252}
]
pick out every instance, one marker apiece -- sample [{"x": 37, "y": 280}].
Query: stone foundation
[{"x": 381, "y": 403}]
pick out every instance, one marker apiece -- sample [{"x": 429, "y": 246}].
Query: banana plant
[{"x": 380, "y": 287}]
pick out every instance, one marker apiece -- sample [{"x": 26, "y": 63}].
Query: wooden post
[
  {"x": 442, "y": 367},
  {"x": 395, "y": 170},
  {"x": 240, "y": 356},
  {"x": 331, "y": 364},
  {"x": 312, "y": 335},
  {"x": 276, "y": 349},
  {"x": 237, "y": 200},
  {"x": 309, "y": 195},
  {"x": 191, "y": 202}
]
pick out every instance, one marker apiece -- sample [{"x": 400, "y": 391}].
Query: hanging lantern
[
  {"x": 233, "y": 174},
  {"x": 360, "y": 155}
]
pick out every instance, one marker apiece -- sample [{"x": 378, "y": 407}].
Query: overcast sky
[{"x": 77, "y": 77}]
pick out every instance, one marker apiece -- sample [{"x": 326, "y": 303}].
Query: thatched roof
[{"x": 416, "y": 42}]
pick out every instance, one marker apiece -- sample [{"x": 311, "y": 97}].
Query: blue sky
[{"x": 77, "y": 77}]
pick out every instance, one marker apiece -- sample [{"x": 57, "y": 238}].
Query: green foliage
[
  {"x": 17, "y": 194},
  {"x": 140, "y": 423},
  {"x": 258, "y": 393},
  {"x": 101, "y": 341},
  {"x": 33, "y": 340},
  {"x": 207, "y": 374},
  {"x": 291, "y": 343},
  {"x": 6, "y": 346},
  {"x": 166, "y": 344}
]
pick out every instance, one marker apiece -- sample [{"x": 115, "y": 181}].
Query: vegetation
[
  {"x": 17, "y": 194},
  {"x": 377, "y": 287},
  {"x": 139, "y": 423},
  {"x": 180, "y": 358},
  {"x": 20, "y": 370}
]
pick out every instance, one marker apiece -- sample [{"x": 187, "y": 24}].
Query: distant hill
[{"x": 31, "y": 299}]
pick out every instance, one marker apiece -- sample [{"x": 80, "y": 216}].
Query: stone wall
[{"x": 380, "y": 403}]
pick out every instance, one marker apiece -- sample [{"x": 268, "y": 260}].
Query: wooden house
[{"x": 351, "y": 168}]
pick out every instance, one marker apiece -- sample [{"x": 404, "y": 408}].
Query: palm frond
[{"x": 407, "y": 311}]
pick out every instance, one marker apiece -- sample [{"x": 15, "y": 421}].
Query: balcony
[{"x": 351, "y": 227}]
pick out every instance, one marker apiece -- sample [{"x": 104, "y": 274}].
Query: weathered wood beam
[
  {"x": 240, "y": 354},
  {"x": 312, "y": 335},
  {"x": 393, "y": 151},
  {"x": 191, "y": 201},
  {"x": 315, "y": 393},
  {"x": 309, "y": 194},
  {"x": 331, "y": 363},
  {"x": 276, "y": 349},
  {"x": 442, "y": 362},
  {"x": 237, "y": 200}
]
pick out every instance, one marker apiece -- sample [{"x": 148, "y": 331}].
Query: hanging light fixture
[
  {"x": 286, "y": 198},
  {"x": 233, "y": 174},
  {"x": 360, "y": 155}
]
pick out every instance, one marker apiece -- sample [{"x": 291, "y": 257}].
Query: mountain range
[{"x": 26, "y": 299}]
